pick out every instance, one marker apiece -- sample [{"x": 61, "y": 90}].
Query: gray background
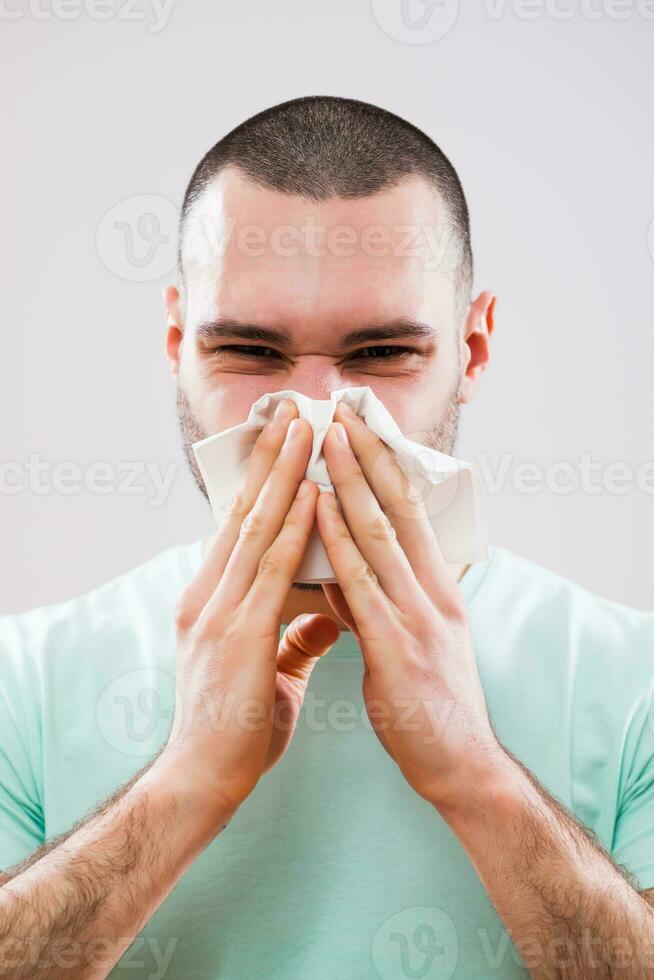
[{"x": 549, "y": 122}]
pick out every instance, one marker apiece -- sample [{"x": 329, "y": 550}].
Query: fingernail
[
  {"x": 293, "y": 430},
  {"x": 284, "y": 409},
  {"x": 341, "y": 434},
  {"x": 347, "y": 411},
  {"x": 304, "y": 489}
]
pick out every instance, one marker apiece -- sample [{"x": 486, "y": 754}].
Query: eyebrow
[{"x": 402, "y": 329}]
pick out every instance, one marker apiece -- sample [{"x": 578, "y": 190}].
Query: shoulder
[
  {"x": 526, "y": 582},
  {"x": 549, "y": 617},
  {"x": 569, "y": 677},
  {"x": 136, "y": 602}
]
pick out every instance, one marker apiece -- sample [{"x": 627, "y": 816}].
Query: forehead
[{"x": 254, "y": 253}]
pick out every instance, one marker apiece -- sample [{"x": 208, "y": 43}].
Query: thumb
[{"x": 306, "y": 639}]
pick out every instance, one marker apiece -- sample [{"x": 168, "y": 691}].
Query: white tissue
[{"x": 450, "y": 489}]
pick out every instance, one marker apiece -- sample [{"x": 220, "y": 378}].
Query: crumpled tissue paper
[{"x": 450, "y": 489}]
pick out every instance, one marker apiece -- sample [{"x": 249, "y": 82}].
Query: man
[{"x": 432, "y": 759}]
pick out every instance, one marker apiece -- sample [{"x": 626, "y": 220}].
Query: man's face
[{"x": 315, "y": 274}]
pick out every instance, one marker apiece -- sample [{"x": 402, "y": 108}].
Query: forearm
[
  {"x": 569, "y": 909},
  {"x": 88, "y": 896}
]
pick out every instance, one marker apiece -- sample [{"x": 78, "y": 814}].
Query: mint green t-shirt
[{"x": 333, "y": 868}]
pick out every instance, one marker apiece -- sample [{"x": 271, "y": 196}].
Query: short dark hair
[{"x": 320, "y": 146}]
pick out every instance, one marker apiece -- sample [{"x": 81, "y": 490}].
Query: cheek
[
  {"x": 417, "y": 403},
  {"x": 229, "y": 403},
  {"x": 219, "y": 405},
  {"x": 219, "y": 402},
  {"x": 406, "y": 407}
]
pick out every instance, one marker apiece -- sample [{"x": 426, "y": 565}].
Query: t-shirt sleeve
[
  {"x": 633, "y": 839},
  {"x": 21, "y": 819}
]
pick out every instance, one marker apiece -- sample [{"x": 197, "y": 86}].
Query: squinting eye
[
  {"x": 366, "y": 353},
  {"x": 382, "y": 353},
  {"x": 249, "y": 350}
]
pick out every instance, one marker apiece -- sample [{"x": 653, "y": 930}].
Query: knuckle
[
  {"x": 412, "y": 493},
  {"x": 408, "y": 502},
  {"x": 339, "y": 543},
  {"x": 202, "y": 630},
  {"x": 252, "y": 525},
  {"x": 413, "y": 506},
  {"x": 284, "y": 555},
  {"x": 364, "y": 575},
  {"x": 457, "y": 610},
  {"x": 237, "y": 507},
  {"x": 453, "y": 607},
  {"x": 184, "y": 614},
  {"x": 381, "y": 528},
  {"x": 270, "y": 564},
  {"x": 340, "y": 540},
  {"x": 426, "y": 623},
  {"x": 439, "y": 622},
  {"x": 212, "y": 634}
]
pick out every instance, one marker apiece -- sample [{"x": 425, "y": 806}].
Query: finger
[
  {"x": 372, "y": 531},
  {"x": 336, "y": 600},
  {"x": 265, "y": 519},
  {"x": 369, "y": 605},
  {"x": 262, "y": 458},
  {"x": 305, "y": 640},
  {"x": 400, "y": 501},
  {"x": 263, "y": 605}
]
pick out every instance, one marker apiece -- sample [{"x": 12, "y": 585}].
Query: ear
[
  {"x": 175, "y": 327},
  {"x": 476, "y": 344}
]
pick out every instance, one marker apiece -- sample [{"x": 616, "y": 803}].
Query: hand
[
  {"x": 239, "y": 689},
  {"x": 420, "y": 685}
]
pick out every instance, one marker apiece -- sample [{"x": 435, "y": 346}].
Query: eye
[
  {"x": 383, "y": 353},
  {"x": 366, "y": 353},
  {"x": 249, "y": 350}
]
